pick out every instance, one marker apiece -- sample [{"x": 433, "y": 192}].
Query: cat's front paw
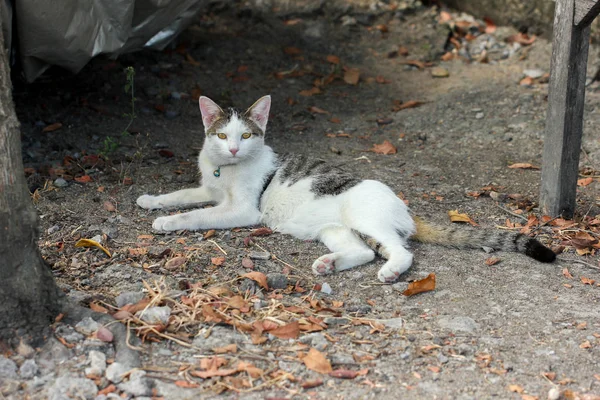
[
  {"x": 169, "y": 224},
  {"x": 324, "y": 265},
  {"x": 148, "y": 202}
]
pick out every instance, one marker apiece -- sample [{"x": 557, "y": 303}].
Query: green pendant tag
[{"x": 217, "y": 172}]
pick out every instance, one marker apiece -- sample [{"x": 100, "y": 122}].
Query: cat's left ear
[{"x": 259, "y": 112}]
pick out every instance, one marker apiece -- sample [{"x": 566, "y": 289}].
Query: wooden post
[{"x": 564, "y": 120}]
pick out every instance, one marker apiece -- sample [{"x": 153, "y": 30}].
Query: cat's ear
[
  {"x": 259, "y": 112},
  {"x": 210, "y": 111}
]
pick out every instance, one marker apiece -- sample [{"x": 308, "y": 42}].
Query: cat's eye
[
  {"x": 246, "y": 135},
  {"x": 221, "y": 136}
]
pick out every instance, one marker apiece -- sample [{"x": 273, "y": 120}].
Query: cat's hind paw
[
  {"x": 324, "y": 265},
  {"x": 169, "y": 224},
  {"x": 148, "y": 202}
]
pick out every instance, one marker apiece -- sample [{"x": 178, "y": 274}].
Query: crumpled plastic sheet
[{"x": 70, "y": 33}]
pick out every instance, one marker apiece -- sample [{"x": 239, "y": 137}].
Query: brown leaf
[
  {"x": 264, "y": 231},
  {"x": 109, "y": 389},
  {"x": 108, "y": 206},
  {"x": 335, "y": 120},
  {"x": 316, "y": 361},
  {"x": 550, "y": 375},
  {"x": 292, "y": 51},
  {"x": 213, "y": 373},
  {"x": 352, "y": 76},
  {"x": 311, "y": 384},
  {"x": 529, "y": 397},
  {"x": 490, "y": 26},
  {"x": 384, "y": 148},
  {"x": 175, "y": 262},
  {"x": 217, "y": 261},
  {"x": 98, "y": 308},
  {"x": 585, "y": 345},
  {"x": 238, "y": 302},
  {"x": 455, "y": 216},
  {"x": 91, "y": 243},
  {"x": 492, "y": 261},
  {"x": 317, "y": 110},
  {"x": 288, "y": 331},
  {"x": 587, "y": 281},
  {"x": 521, "y": 38},
  {"x": 83, "y": 179},
  {"x": 186, "y": 384},
  {"x": 312, "y": 91},
  {"x": 522, "y": 166},
  {"x": 585, "y": 181},
  {"x": 52, "y": 127},
  {"x": 333, "y": 59},
  {"x": 346, "y": 373},
  {"x": 399, "y": 105},
  {"x": 423, "y": 285},
  {"x": 516, "y": 389},
  {"x": 104, "y": 334},
  {"x": 258, "y": 277},
  {"x": 247, "y": 263},
  {"x": 230, "y": 348},
  {"x": 209, "y": 234},
  {"x": 567, "y": 274}
]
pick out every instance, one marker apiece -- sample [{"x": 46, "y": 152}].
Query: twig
[
  {"x": 544, "y": 224},
  {"x": 219, "y": 247},
  {"x": 582, "y": 263},
  {"x": 510, "y": 212},
  {"x": 300, "y": 271}
]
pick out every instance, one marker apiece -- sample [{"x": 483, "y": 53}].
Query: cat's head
[{"x": 233, "y": 136}]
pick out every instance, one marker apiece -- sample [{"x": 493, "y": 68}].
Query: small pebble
[
  {"x": 60, "y": 182},
  {"x": 553, "y": 394},
  {"x": 479, "y": 115},
  {"x": 439, "y": 72},
  {"x": 53, "y": 229},
  {"x": 259, "y": 255},
  {"x": 326, "y": 288}
]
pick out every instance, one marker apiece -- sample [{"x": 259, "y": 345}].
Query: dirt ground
[{"x": 514, "y": 329}]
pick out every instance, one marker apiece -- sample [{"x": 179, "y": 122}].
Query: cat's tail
[{"x": 459, "y": 237}]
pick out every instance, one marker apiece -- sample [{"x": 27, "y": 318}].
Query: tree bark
[{"x": 29, "y": 297}]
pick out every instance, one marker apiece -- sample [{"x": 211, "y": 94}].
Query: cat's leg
[
  {"x": 392, "y": 247},
  {"x": 219, "y": 217},
  {"x": 178, "y": 198},
  {"x": 347, "y": 251}
]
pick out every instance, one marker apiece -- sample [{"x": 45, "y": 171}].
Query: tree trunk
[{"x": 29, "y": 298}]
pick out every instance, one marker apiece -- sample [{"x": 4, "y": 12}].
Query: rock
[
  {"x": 97, "y": 238},
  {"x": 54, "y": 352},
  {"x": 115, "y": 371},
  {"x": 8, "y": 387},
  {"x": 392, "y": 323},
  {"x": 60, "y": 183},
  {"x": 479, "y": 115},
  {"x": 400, "y": 286},
  {"x": 326, "y": 288},
  {"x": 8, "y": 368},
  {"x": 347, "y": 20},
  {"x": 316, "y": 340},
  {"x": 104, "y": 334},
  {"x": 25, "y": 350},
  {"x": 155, "y": 315},
  {"x": 259, "y": 255},
  {"x": 464, "y": 349},
  {"x": 277, "y": 281},
  {"x": 137, "y": 385},
  {"x": 442, "y": 358},
  {"x": 458, "y": 323},
  {"x": 97, "y": 362},
  {"x": 336, "y": 321},
  {"x": 72, "y": 387},
  {"x": 220, "y": 336},
  {"x": 533, "y": 73},
  {"x": 553, "y": 394},
  {"x": 125, "y": 298},
  {"x": 53, "y": 229},
  {"x": 87, "y": 326},
  {"x": 176, "y": 95},
  {"x": 28, "y": 369},
  {"x": 439, "y": 72}
]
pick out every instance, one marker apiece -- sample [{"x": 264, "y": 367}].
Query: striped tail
[{"x": 459, "y": 237}]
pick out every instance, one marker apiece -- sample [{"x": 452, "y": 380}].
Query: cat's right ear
[{"x": 210, "y": 111}]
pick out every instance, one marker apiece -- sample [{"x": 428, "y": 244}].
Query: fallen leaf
[
  {"x": 218, "y": 261},
  {"x": 311, "y": 384},
  {"x": 423, "y": 285},
  {"x": 529, "y": 397},
  {"x": 568, "y": 286},
  {"x": 230, "y": 348},
  {"x": 434, "y": 369},
  {"x": 213, "y": 373},
  {"x": 516, "y": 389},
  {"x": 288, "y": 331},
  {"x": 455, "y": 216},
  {"x": 166, "y": 153},
  {"x": 352, "y": 76},
  {"x": 258, "y": 277},
  {"x": 83, "y": 179},
  {"x": 317, "y": 110},
  {"x": 98, "y": 308},
  {"x": 584, "y": 181},
  {"x": 384, "y": 148},
  {"x": 522, "y": 166},
  {"x": 291, "y": 22},
  {"x": 521, "y": 38},
  {"x": 490, "y": 26},
  {"x": 316, "y": 361},
  {"x": 587, "y": 281},
  {"x": 109, "y": 389},
  {"x": 492, "y": 261},
  {"x": 309, "y": 92},
  {"x": 399, "y": 105},
  {"x": 186, "y": 384},
  {"x": 347, "y": 373},
  {"x": 175, "y": 262},
  {"x": 585, "y": 345},
  {"x": 550, "y": 375},
  {"x": 264, "y": 231},
  {"x": 335, "y": 120},
  {"x": 292, "y": 51},
  {"x": 527, "y": 81},
  {"x": 333, "y": 59},
  {"x": 52, "y": 127},
  {"x": 380, "y": 79},
  {"x": 567, "y": 274},
  {"x": 108, "y": 206},
  {"x": 91, "y": 243},
  {"x": 209, "y": 234},
  {"x": 247, "y": 263}
]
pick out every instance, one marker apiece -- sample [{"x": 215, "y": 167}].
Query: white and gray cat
[{"x": 308, "y": 199}]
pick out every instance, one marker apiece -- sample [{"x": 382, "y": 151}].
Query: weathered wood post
[{"x": 564, "y": 120}]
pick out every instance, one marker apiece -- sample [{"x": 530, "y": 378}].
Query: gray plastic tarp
[{"x": 69, "y": 33}]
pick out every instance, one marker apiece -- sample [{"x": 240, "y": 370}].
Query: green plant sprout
[{"x": 109, "y": 144}]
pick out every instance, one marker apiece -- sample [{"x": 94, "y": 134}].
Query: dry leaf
[
  {"x": 311, "y": 384},
  {"x": 516, "y": 389},
  {"x": 186, "y": 384},
  {"x": 567, "y": 274},
  {"x": 347, "y": 373},
  {"x": 423, "y": 285},
  {"x": 585, "y": 345},
  {"x": 258, "y": 277},
  {"x": 529, "y": 397},
  {"x": 335, "y": 120},
  {"x": 52, "y": 127},
  {"x": 83, "y": 179},
  {"x": 587, "y": 281},
  {"x": 314, "y": 90},
  {"x": 175, "y": 262},
  {"x": 108, "y": 206},
  {"x": 399, "y": 105},
  {"x": 584, "y": 181},
  {"x": 490, "y": 26},
  {"x": 264, "y": 231},
  {"x": 333, "y": 59},
  {"x": 230, "y": 348},
  {"x": 416, "y": 63},
  {"x": 384, "y": 148},
  {"x": 98, "y": 308},
  {"x": 289, "y": 331},
  {"x": 209, "y": 234},
  {"x": 455, "y": 216},
  {"x": 492, "y": 261},
  {"x": 352, "y": 76},
  {"x": 317, "y": 110},
  {"x": 316, "y": 361},
  {"x": 527, "y": 81},
  {"x": 217, "y": 261},
  {"x": 522, "y": 166},
  {"x": 550, "y": 375},
  {"x": 91, "y": 243},
  {"x": 292, "y": 51}
]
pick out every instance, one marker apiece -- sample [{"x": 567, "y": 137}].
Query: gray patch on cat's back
[{"x": 333, "y": 183}]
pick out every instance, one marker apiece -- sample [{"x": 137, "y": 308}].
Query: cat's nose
[{"x": 233, "y": 151}]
